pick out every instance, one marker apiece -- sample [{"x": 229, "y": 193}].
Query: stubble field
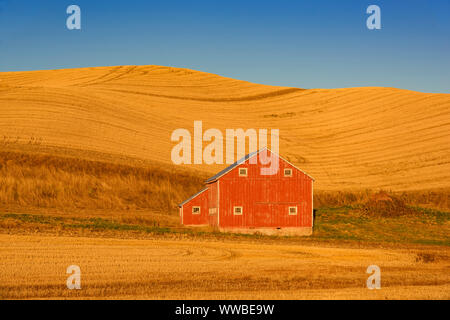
[
  {"x": 34, "y": 266},
  {"x": 347, "y": 139}
]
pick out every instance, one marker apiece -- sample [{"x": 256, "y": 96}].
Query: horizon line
[{"x": 215, "y": 74}]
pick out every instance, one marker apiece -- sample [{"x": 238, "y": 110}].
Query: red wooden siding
[
  {"x": 213, "y": 203},
  {"x": 265, "y": 199},
  {"x": 186, "y": 215}
]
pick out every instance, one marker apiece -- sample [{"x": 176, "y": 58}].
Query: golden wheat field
[
  {"x": 35, "y": 267},
  {"x": 86, "y": 178},
  {"x": 345, "y": 138}
]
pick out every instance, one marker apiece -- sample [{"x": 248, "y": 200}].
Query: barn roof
[
  {"x": 231, "y": 167},
  {"x": 239, "y": 162},
  {"x": 190, "y": 198}
]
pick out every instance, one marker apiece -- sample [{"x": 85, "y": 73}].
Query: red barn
[{"x": 244, "y": 199}]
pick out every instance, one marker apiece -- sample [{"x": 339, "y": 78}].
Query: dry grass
[
  {"x": 31, "y": 179},
  {"x": 385, "y": 205},
  {"x": 45, "y": 181},
  {"x": 34, "y": 267},
  {"x": 348, "y": 139},
  {"x": 437, "y": 199}
]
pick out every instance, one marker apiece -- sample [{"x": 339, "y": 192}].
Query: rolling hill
[{"x": 347, "y": 139}]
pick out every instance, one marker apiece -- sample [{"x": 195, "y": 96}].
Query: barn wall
[
  {"x": 265, "y": 199},
  {"x": 213, "y": 203},
  {"x": 193, "y": 219}
]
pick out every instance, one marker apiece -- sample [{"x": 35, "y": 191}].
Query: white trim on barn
[
  {"x": 239, "y": 213},
  {"x": 247, "y": 158},
  {"x": 192, "y": 197},
  {"x": 293, "y": 213},
  {"x": 218, "y": 204}
]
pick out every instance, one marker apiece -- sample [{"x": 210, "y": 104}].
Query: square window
[
  {"x": 288, "y": 172},
  {"x": 242, "y": 172},
  {"x": 237, "y": 211},
  {"x": 195, "y": 210},
  {"x": 292, "y": 211}
]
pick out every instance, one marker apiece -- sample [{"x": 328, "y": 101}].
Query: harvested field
[{"x": 354, "y": 138}]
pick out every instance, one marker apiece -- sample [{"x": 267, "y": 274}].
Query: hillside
[{"x": 347, "y": 139}]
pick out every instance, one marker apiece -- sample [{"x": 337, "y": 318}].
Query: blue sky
[{"x": 308, "y": 44}]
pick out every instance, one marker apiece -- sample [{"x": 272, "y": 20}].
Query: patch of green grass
[
  {"x": 428, "y": 226},
  {"x": 439, "y": 217},
  {"x": 432, "y": 242},
  {"x": 31, "y": 218},
  {"x": 101, "y": 224},
  {"x": 348, "y": 223},
  {"x": 80, "y": 223}
]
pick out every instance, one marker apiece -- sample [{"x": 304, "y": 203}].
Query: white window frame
[
  {"x": 296, "y": 211},
  {"x": 243, "y": 175},
  {"x": 199, "y": 210},
  {"x": 238, "y": 214},
  {"x": 288, "y": 175}
]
